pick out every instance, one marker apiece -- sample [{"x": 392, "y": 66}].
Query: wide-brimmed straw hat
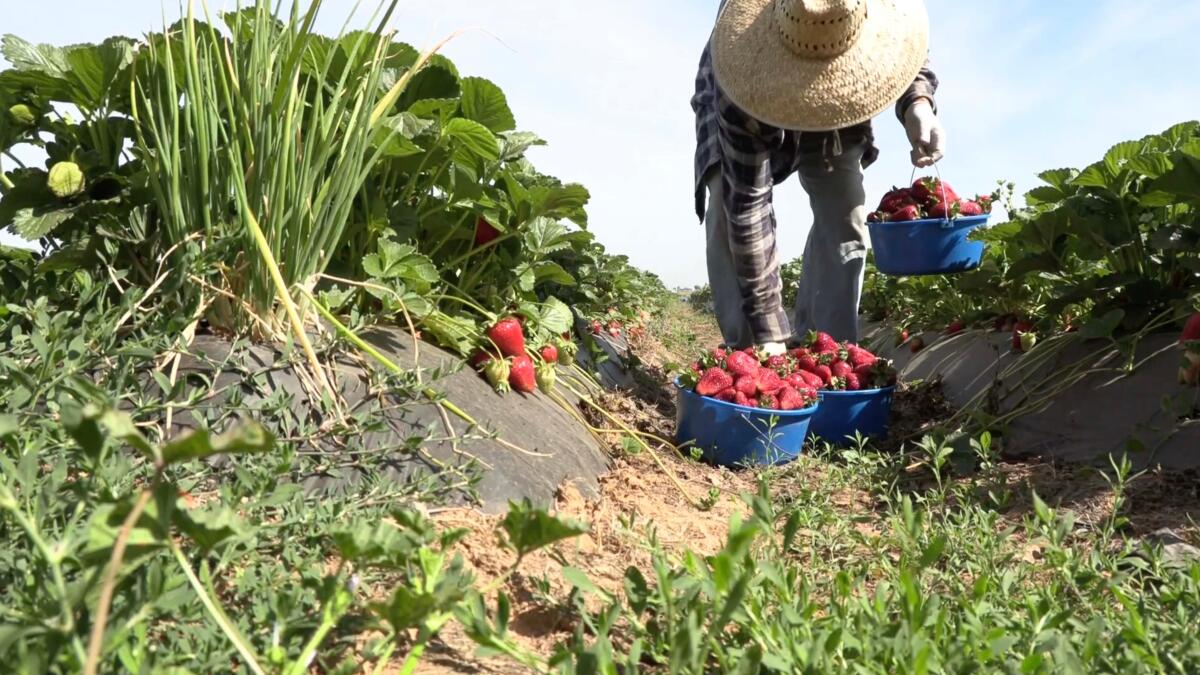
[{"x": 818, "y": 65}]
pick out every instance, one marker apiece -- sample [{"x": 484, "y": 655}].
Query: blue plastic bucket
[
  {"x": 734, "y": 435},
  {"x": 841, "y": 413},
  {"x": 921, "y": 247}
]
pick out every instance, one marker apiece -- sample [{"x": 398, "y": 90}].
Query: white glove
[
  {"x": 773, "y": 348},
  {"x": 925, "y": 132}
]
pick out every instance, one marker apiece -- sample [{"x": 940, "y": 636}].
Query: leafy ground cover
[{"x": 243, "y": 177}]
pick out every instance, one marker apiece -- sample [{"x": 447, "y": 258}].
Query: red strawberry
[
  {"x": 905, "y": 214},
  {"x": 825, "y": 374},
  {"x": 917, "y": 344},
  {"x": 718, "y": 354},
  {"x": 522, "y": 377},
  {"x": 776, "y": 362},
  {"x": 485, "y": 232},
  {"x": 479, "y": 358},
  {"x": 970, "y": 209},
  {"x": 769, "y": 381},
  {"x": 841, "y": 369},
  {"x": 713, "y": 381},
  {"x": 799, "y": 353},
  {"x": 940, "y": 210},
  {"x": 894, "y": 200},
  {"x": 874, "y": 217},
  {"x": 795, "y": 380},
  {"x": 550, "y": 354},
  {"x": 1191, "y": 332},
  {"x": 747, "y": 384},
  {"x": 1019, "y": 329},
  {"x": 822, "y": 343},
  {"x": 955, "y": 327},
  {"x": 852, "y": 382},
  {"x": 807, "y": 363},
  {"x": 923, "y": 189},
  {"x": 741, "y": 363},
  {"x": 728, "y": 395},
  {"x": 861, "y": 357},
  {"x": 985, "y": 202},
  {"x": 902, "y": 337},
  {"x": 697, "y": 368},
  {"x": 507, "y": 336},
  {"x": 743, "y": 400},
  {"x": 768, "y": 402},
  {"x": 790, "y": 399},
  {"x": 812, "y": 380}
]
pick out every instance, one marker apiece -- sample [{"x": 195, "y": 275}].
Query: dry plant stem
[
  {"x": 215, "y": 611},
  {"x": 100, "y": 618},
  {"x": 653, "y": 455},
  {"x": 429, "y": 393}
]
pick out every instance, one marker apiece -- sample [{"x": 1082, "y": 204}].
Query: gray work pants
[{"x": 834, "y": 258}]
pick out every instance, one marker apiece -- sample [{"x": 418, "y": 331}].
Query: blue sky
[{"x": 1027, "y": 85}]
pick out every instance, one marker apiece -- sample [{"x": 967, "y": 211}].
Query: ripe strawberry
[
  {"x": 955, "y": 327},
  {"x": 949, "y": 210},
  {"x": 713, "y": 381},
  {"x": 923, "y": 189},
  {"x": 841, "y": 369},
  {"x": 985, "y": 202},
  {"x": 743, "y": 400},
  {"x": 861, "y": 357},
  {"x": 776, "y": 362},
  {"x": 852, "y": 382},
  {"x": 697, "y": 368},
  {"x": 546, "y": 376},
  {"x": 970, "y": 208},
  {"x": 807, "y": 363},
  {"x": 799, "y": 353},
  {"x": 507, "y": 336},
  {"x": 747, "y": 384},
  {"x": 790, "y": 399},
  {"x": 768, "y": 402},
  {"x": 614, "y": 328},
  {"x": 549, "y": 353},
  {"x": 718, "y": 354},
  {"x": 769, "y": 381},
  {"x": 822, "y": 343},
  {"x": 874, "y": 217},
  {"x": 497, "y": 372},
  {"x": 795, "y": 380},
  {"x": 812, "y": 380},
  {"x": 741, "y": 363},
  {"x": 522, "y": 376},
  {"x": 1020, "y": 328},
  {"x": 895, "y": 200},
  {"x": 1190, "y": 337},
  {"x": 479, "y": 358},
  {"x": 825, "y": 374},
  {"x": 905, "y": 214},
  {"x": 902, "y": 337},
  {"x": 485, "y": 232},
  {"x": 917, "y": 344},
  {"x": 728, "y": 395}
]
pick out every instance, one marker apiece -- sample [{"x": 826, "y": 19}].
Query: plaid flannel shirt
[{"x": 754, "y": 156}]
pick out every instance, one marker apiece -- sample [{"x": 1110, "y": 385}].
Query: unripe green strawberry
[
  {"x": 497, "y": 371},
  {"x": 546, "y": 376},
  {"x": 65, "y": 179},
  {"x": 22, "y": 115},
  {"x": 1028, "y": 340}
]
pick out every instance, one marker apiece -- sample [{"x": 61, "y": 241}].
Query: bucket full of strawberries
[
  {"x": 856, "y": 389},
  {"x": 923, "y": 229},
  {"x": 742, "y": 408}
]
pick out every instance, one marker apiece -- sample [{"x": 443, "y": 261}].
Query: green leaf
[
  {"x": 579, "y": 579},
  {"x": 484, "y": 102},
  {"x": 548, "y": 270},
  {"x": 530, "y": 528},
  {"x": 8, "y": 425},
  {"x": 555, "y": 316},
  {"x": 473, "y": 142},
  {"x": 209, "y": 526},
  {"x": 432, "y": 82},
  {"x": 1094, "y": 176},
  {"x": 1058, "y": 178},
  {"x": 454, "y": 332},
  {"x": 545, "y": 236},
  {"x": 246, "y": 438},
  {"x": 1044, "y": 195},
  {"x": 96, "y": 71},
  {"x": 1183, "y": 179},
  {"x": 1152, "y": 164},
  {"x": 1117, "y": 156},
  {"x": 514, "y": 144},
  {"x": 1103, "y": 327},
  {"x": 396, "y": 261},
  {"x": 25, "y": 55},
  {"x": 563, "y": 201},
  {"x": 34, "y": 224},
  {"x": 933, "y": 552}
]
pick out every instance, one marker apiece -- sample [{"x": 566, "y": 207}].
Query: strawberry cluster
[
  {"x": 507, "y": 364},
  {"x": 788, "y": 381},
  {"x": 928, "y": 198}
]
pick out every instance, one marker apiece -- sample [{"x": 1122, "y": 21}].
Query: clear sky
[{"x": 1027, "y": 85}]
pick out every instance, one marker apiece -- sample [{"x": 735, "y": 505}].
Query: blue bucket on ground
[
  {"x": 734, "y": 435},
  {"x": 841, "y": 413},
  {"x": 922, "y": 247}
]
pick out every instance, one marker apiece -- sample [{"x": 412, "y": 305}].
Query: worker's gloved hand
[
  {"x": 925, "y": 132},
  {"x": 773, "y": 348}
]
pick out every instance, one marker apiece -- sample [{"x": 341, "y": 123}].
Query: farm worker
[{"x": 790, "y": 87}]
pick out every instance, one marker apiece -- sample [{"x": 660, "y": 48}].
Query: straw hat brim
[{"x": 758, "y": 72}]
